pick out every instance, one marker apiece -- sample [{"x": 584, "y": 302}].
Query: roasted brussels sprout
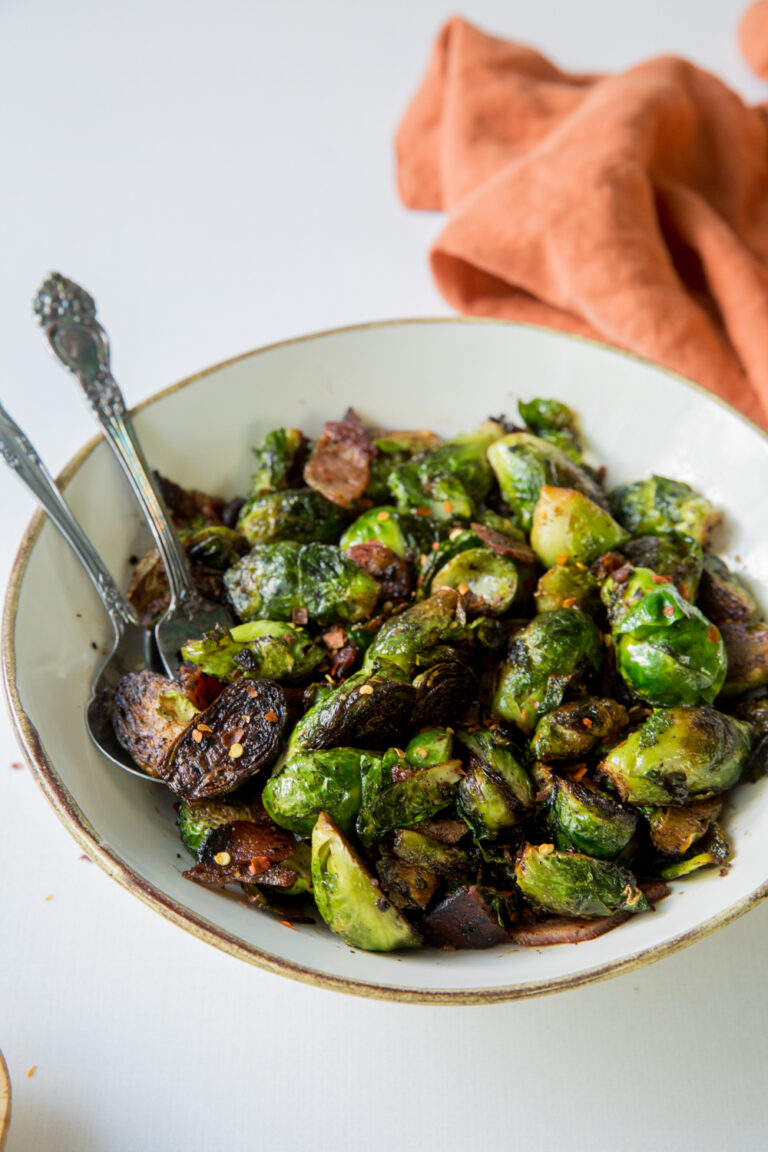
[
  {"x": 667, "y": 652},
  {"x": 572, "y": 884},
  {"x": 496, "y": 792},
  {"x": 450, "y": 481},
  {"x": 489, "y": 582},
  {"x": 367, "y": 709},
  {"x": 673, "y": 555},
  {"x": 244, "y": 851},
  {"x": 403, "y": 534},
  {"x": 313, "y": 782},
  {"x": 196, "y": 823},
  {"x": 145, "y": 724},
  {"x": 674, "y": 830},
  {"x": 723, "y": 595},
  {"x": 578, "y": 816},
  {"x": 443, "y": 690},
  {"x": 555, "y": 422},
  {"x": 348, "y": 898},
  {"x": 713, "y": 849},
  {"x": 404, "y": 803},
  {"x": 403, "y": 640},
  {"x": 430, "y": 746},
  {"x": 391, "y": 449},
  {"x": 678, "y": 754},
  {"x": 746, "y": 646},
  {"x": 444, "y": 860},
  {"x": 569, "y": 527},
  {"x": 214, "y": 546},
  {"x": 392, "y": 574},
  {"x": 576, "y": 729},
  {"x": 660, "y": 505},
  {"x": 279, "y": 459},
  {"x": 555, "y": 649},
  {"x": 524, "y": 463},
  {"x": 275, "y": 580},
  {"x": 298, "y": 514},
  {"x": 567, "y": 586},
  {"x": 269, "y": 648},
  {"x": 410, "y": 887},
  {"x": 211, "y": 550}
]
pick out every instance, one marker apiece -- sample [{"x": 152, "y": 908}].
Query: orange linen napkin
[{"x": 633, "y": 207}]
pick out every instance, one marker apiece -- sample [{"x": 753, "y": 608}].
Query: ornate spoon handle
[
  {"x": 68, "y": 316},
  {"x": 25, "y": 462}
]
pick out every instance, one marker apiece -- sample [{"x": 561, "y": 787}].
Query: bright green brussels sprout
[
  {"x": 675, "y": 830},
  {"x": 444, "y": 860},
  {"x": 408, "y": 801},
  {"x": 571, "y": 884},
  {"x": 713, "y": 849},
  {"x": 576, "y": 729},
  {"x": 367, "y": 709},
  {"x": 299, "y": 514},
  {"x": 496, "y": 792},
  {"x": 660, "y": 505},
  {"x": 314, "y": 782},
  {"x": 449, "y": 481},
  {"x": 196, "y": 823},
  {"x": 524, "y": 463},
  {"x": 723, "y": 595},
  {"x": 213, "y": 545},
  {"x": 555, "y": 649},
  {"x": 678, "y": 754},
  {"x": 274, "y": 580},
  {"x": 582, "y": 818},
  {"x": 623, "y": 589},
  {"x": 403, "y": 639},
  {"x": 279, "y": 458},
  {"x": 667, "y": 652},
  {"x": 566, "y": 586},
  {"x": 555, "y": 422},
  {"x": 392, "y": 449},
  {"x": 430, "y": 746},
  {"x": 568, "y": 526},
  {"x": 746, "y": 646},
  {"x": 402, "y": 534},
  {"x": 673, "y": 555},
  {"x": 348, "y": 898},
  {"x": 299, "y": 862},
  {"x": 272, "y": 649},
  {"x": 489, "y": 581}
]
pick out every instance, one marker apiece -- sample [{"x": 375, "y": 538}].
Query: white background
[{"x": 220, "y": 176}]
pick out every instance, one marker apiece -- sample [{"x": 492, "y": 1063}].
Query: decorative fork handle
[
  {"x": 25, "y": 462},
  {"x": 68, "y": 317}
]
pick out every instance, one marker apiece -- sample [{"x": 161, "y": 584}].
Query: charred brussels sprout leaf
[
  {"x": 314, "y": 782},
  {"x": 574, "y": 730},
  {"x": 555, "y": 649},
  {"x": 348, "y": 898},
  {"x": 488, "y": 581},
  {"x": 714, "y": 849},
  {"x": 444, "y": 860},
  {"x": 368, "y": 709},
  {"x": 299, "y": 514},
  {"x": 269, "y": 648},
  {"x": 274, "y": 580},
  {"x": 568, "y": 526},
  {"x": 673, "y": 555},
  {"x": 747, "y": 649},
  {"x": 555, "y": 422},
  {"x": 496, "y": 792},
  {"x": 443, "y": 690},
  {"x": 406, "y": 802},
  {"x": 279, "y": 460},
  {"x": 660, "y": 505},
  {"x": 572, "y": 884},
  {"x": 524, "y": 463},
  {"x": 579, "y": 817},
  {"x": 678, "y": 754},
  {"x": 722, "y": 595},
  {"x": 675, "y": 830},
  {"x": 566, "y": 586},
  {"x": 403, "y": 639},
  {"x": 667, "y": 652},
  {"x": 430, "y": 746},
  {"x": 410, "y": 887},
  {"x": 196, "y": 823},
  {"x": 402, "y": 534}
]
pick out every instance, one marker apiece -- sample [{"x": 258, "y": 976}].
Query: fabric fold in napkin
[{"x": 630, "y": 207}]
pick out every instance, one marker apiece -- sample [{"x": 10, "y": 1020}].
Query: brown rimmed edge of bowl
[
  {"x": 86, "y": 836},
  {"x": 5, "y": 1102}
]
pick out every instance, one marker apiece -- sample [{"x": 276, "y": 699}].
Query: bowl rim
[
  {"x": 5, "y": 1102},
  {"x": 66, "y": 808}
]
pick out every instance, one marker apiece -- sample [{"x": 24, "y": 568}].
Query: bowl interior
[{"x": 445, "y": 375}]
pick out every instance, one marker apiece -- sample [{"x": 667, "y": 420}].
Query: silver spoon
[
  {"x": 68, "y": 316},
  {"x": 133, "y": 648}
]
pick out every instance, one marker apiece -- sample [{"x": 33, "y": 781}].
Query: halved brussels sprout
[
  {"x": 313, "y": 782},
  {"x": 675, "y": 830},
  {"x": 566, "y": 586},
  {"x": 214, "y": 545},
  {"x": 524, "y": 463},
  {"x": 572, "y": 884},
  {"x": 430, "y": 746},
  {"x": 747, "y": 650},
  {"x": 444, "y": 689},
  {"x": 583, "y": 818},
  {"x": 275, "y": 580},
  {"x": 270, "y": 648},
  {"x": 723, "y": 595},
  {"x": 555, "y": 422},
  {"x": 678, "y": 754},
  {"x": 448, "y": 482},
  {"x": 496, "y": 792},
  {"x": 667, "y": 652},
  {"x": 403, "y": 639},
  {"x": 298, "y": 514},
  {"x": 406, "y": 802},
  {"x": 402, "y": 534},
  {"x": 348, "y": 898},
  {"x": 424, "y": 851},
  {"x": 569, "y": 527},
  {"x": 671, "y": 554},
  {"x": 279, "y": 460},
  {"x": 554, "y": 649},
  {"x": 657, "y": 505},
  {"x": 410, "y": 887},
  {"x": 576, "y": 729},
  {"x": 366, "y": 709},
  {"x": 714, "y": 849},
  {"x": 488, "y": 581}
]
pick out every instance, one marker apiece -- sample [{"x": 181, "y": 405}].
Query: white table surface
[{"x": 220, "y": 175}]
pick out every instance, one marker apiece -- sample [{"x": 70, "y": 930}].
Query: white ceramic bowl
[{"x": 447, "y": 375}]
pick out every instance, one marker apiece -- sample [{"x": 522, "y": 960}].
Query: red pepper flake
[
  {"x": 299, "y": 617},
  {"x": 669, "y": 611},
  {"x": 204, "y": 728},
  {"x": 524, "y": 715},
  {"x": 383, "y": 516},
  {"x": 197, "y": 736},
  {"x": 562, "y": 558},
  {"x": 587, "y": 722},
  {"x": 253, "y": 692},
  {"x": 546, "y": 849},
  {"x": 685, "y": 590},
  {"x": 422, "y": 511},
  {"x": 421, "y": 753},
  {"x": 31, "y": 1071},
  {"x": 447, "y": 507},
  {"x": 581, "y": 567},
  {"x": 258, "y": 864},
  {"x": 712, "y": 634},
  {"x": 579, "y": 773},
  {"x": 335, "y": 639},
  {"x": 50, "y": 897},
  {"x": 423, "y": 558},
  {"x": 659, "y": 579},
  {"x": 569, "y": 602},
  {"x": 17, "y": 766},
  {"x": 86, "y": 858},
  {"x": 463, "y": 589},
  {"x": 287, "y": 924},
  {"x": 435, "y": 546},
  {"x": 271, "y": 717}
]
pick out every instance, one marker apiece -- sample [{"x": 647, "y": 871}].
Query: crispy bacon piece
[
  {"x": 186, "y": 504},
  {"x": 465, "y": 920},
  {"x": 244, "y": 851},
  {"x": 504, "y": 545},
  {"x": 339, "y": 465},
  {"x": 385, "y": 566},
  {"x": 560, "y": 930}
]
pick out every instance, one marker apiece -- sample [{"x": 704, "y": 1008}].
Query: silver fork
[
  {"x": 68, "y": 316},
  {"x": 133, "y": 648}
]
